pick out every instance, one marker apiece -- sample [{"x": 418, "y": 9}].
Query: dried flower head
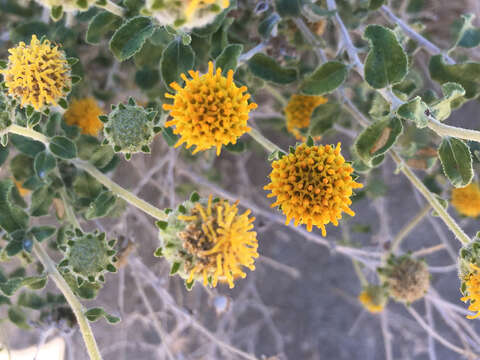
[
  {"x": 209, "y": 241},
  {"x": 37, "y": 74},
  {"x": 407, "y": 279},
  {"x": 299, "y": 111},
  {"x": 374, "y": 298},
  {"x": 466, "y": 200},
  {"x": 209, "y": 111},
  {"x": 84, "y": 113},
  {"x": 313, "y": 185},
  {"x": 185, "y": 14}
]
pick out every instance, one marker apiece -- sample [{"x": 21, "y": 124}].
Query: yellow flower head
[
  {"x": 466, "y": 200},
  {"x": 373, "y": 298},
  {"x": 186, "y": 13},
  {"x": 84, "y": 113},
  {"x": 299, "y": 111},
  {"x": 471, "y": 290},
  {"x": 313, "y": 185},
  {"x": 37, "y": 74},
  {"x": 209, "y": 111},
  {"x": 208, "y": 241}
]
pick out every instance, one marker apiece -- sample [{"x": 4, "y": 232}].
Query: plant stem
[
  {"x": 359, "y": 272},
  {"x": 412, "y": 34},
  {"x": 120, "y": 191},
  {"x": 27, "y": 132},
  {"x": 444, "y": 215},
  {"x": 68, "y": 210},
  {"x": 262, "y": 140},
  {"x": 447, "y": 130},
  {"x": 113, "y": 8},
  {"x": 310, "y": 37},
  {"x": 408, "y": 228},
  {"x": 276, "y": 94},
  {"x": 72, "y": 300},
  {"x": 92, "y": 170}
]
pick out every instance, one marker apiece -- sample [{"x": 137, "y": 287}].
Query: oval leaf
[
  {"x": 456, "y": 161},
  {"x": 177, "y": 58},
  {"x": 415, "y": 110},
  {"x": 228, "y": 58},
  {"x": 377, "y": 139},
  {"x": 268, "y": 69},
  {"x": 43, "y": 164},
  {"x": 100, "y": 24},
  {"x": 386, "y": 62},
  {"x": 325, "y": 79},
  {"x": 130, "y": 37},
  {"x": 62, "y": 147},
  {"x": 95, "y": 314}
]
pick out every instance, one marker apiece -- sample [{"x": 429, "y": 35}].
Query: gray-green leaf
[
  {"x": 386, "y": 62},
  {"x": 415, "y": 110},
  {"x": 177, "y": 58},
  {"x": 456, "y": 161},
  {"x": 130, "y": 37},
  {"x": 95, "y": 314},
  {"x": 325, "y": 79},
  {"x": 268, "y": 69}
]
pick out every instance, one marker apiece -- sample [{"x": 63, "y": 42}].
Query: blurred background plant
[{"x": 133, "y": 77}]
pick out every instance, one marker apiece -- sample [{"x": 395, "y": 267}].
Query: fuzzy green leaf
[
  {"x": 467, "y": 75},
  {"x": 177, "y": 58},
  {"x": 130, "y": 37},
  {"x": 468, "y": 35},
  {"x": 43, "y": 164},
  {"x": 12, "y": 217},
  {"x": 456, "y": 161},
  {"x": 288, "y": 8},
  {"x": 42, "y": 199},
  {"x": 268, "y": 69},
  {"x": 386, "y": 62},
  {"x": 443, "y": 108},
  {"x": 63, "y": 147},
  {"x": 10, "y": 286},
  {"x": 228, "y": 58},
  {"x": 18, "y": 317},
  {"x": 415, "y": 110},
  {"x": 97, "y": 313},
  {"x": 325, "y": 79},
  {"x": 102, "y": 205},
  {"x": 101, "y": 24},
  {"x": 42, "y": 232},
  {"x": 377, "y": 139}
]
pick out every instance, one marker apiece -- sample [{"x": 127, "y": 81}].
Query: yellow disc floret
[
  {"x": 220, "y": 240},
  {"x": 84, "y": 113},
  {"x": 209, "y": 111},
  {"x": 37, "y": 74},
  {"x": 466, "y": 200},
  {"x": 299, "y": 111},
  {"x": 313, "y": 185},
  {"x": 472, "y": 291}
]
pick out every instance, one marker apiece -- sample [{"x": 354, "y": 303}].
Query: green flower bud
[
  {"x": 87, "y": 256},
  {"x": 129, "y": 129}
]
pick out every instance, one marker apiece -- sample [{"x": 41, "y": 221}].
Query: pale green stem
[
  {"x": 92, "y": 170},
  {"x": 113, "y": 8},
  {"x": 77, "y": 307},
  {"x": 120, "y": 191},
  {"x": 408, "y": 228},
  {"x": 68, "y": 210},
  {"x": 447, "y": 130},
  {"x": 441, "y": 211},
  {"x": 262, "y": 140},
  {"x": 358, "y": 270},
  {"x": 276, "y": 94}
]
